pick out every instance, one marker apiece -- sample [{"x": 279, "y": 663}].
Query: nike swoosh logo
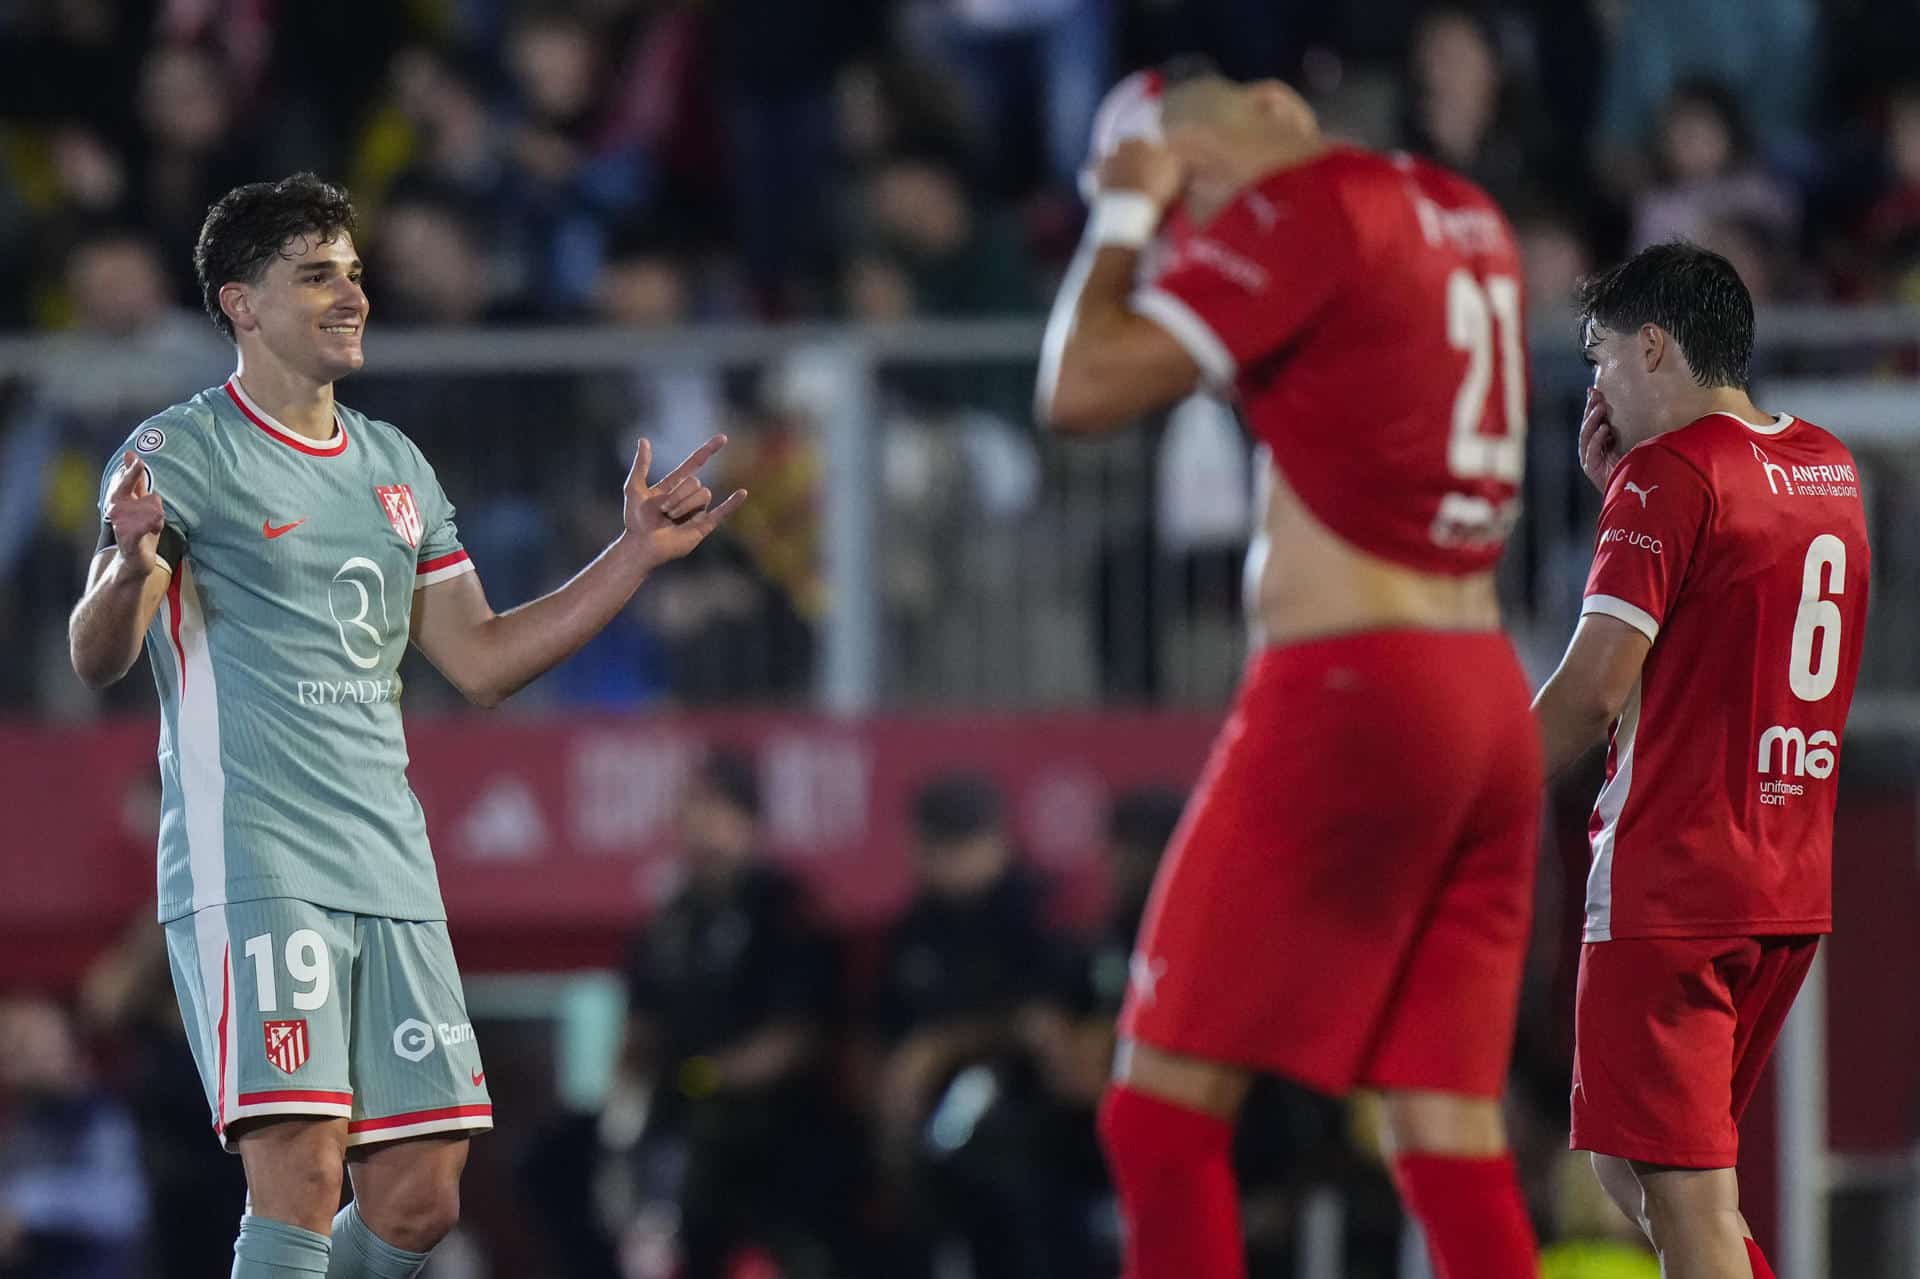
[
  {"x": 271, "y": 530},
  {"x": 479, "y": 1076}
]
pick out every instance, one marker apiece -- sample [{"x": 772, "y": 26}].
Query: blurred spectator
[
  {"x": 571, "y": 178},
  {"x": 429, "y": 261},
  {"x": 130, "y": 352},
  {"x": 197, "y": 1189},
  {"x": 1892, "y": 223},
  {"x": 969, "y": 958},
  {"x": 926, "y": 249},
  {"x": 127, "y": 1009},
  {"x": 648, "y": 287},
  {"x": 1765, "y": 50},
  {"x": 1074, "y": 1041},
  {"x": 1708, "y": 174},
  {"x": 1555, "y": 256},
  {"x": 1465, "y": 113},
  {"x": 738, "y": 622},
  {"x": 775, "y": 63},
  {"x": 1022, "y": 60},
  {"x": 89, "y": 172},
  {"x": 720, "y": 1138},
  {"x": 933, "y": 251},
  {"x": 435, "y": 128},
  {"x": 73, "y": 1202},
  {"x": 191, "y": 154},
  {"x": 733, "y": 990}
]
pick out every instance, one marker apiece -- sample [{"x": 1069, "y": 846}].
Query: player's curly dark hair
[
  {"x": 248, "y": 227},
  {"x": 1692, "y": 293}
]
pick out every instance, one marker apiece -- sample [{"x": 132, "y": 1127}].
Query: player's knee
[
  {"x": 294, "y": 1172},
  {"x": 1149, "y": 1139},
  {"x": 1434, "y": 1123},
  {"x": 1684, "y": 1203},
  {"x": 418, "y": 1218}
]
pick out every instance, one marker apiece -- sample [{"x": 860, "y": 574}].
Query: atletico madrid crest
[
  {"x": 402, "y": 512},
  {"x": 287, "y": 1044}
]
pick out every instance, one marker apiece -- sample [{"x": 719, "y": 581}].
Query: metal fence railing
[{"x": 913, "y": 540}]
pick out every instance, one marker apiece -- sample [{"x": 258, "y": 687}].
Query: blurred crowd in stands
[{"x": 650, "y": 161}]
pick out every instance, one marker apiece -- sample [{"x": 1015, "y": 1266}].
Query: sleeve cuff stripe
[
  {"x": 442, "y": 561},
  {"x": 1632, "y": 614},
  {"x": 428, "y": 578},
  {"x": 1185, "y": 326}
]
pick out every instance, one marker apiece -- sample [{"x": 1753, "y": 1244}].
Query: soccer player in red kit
[
  {"x": 1347, "y": 899},
  {"x": 1720, "y": 637}
]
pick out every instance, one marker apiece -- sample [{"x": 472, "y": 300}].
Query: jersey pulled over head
[{"x": 280, "y": 276}]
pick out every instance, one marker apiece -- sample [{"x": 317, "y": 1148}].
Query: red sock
[
  {"x": 1761, "y": 1270},
  {"x": 1173, "y": 1167},
  {"x": 1474, "y": 1215}
]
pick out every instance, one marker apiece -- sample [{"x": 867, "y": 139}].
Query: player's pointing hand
[
  {"x": 134, "y": 511},
  {"x": 672, "y": 517}
]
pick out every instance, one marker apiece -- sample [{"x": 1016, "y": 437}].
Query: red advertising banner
[{"x": 542, "y": 825}]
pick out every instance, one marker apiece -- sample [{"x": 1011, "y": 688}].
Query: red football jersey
[
  {"x": 1367, "y": 310},
  {"x": 1741, "y": 552}
]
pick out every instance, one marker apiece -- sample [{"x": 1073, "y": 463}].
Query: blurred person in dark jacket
[
  {"x": 961, "y": 1102},
  {"x": 733, "y": 990},
  {"x": 719, "y": 1140},
  {"x": 73, "y": 1199}
]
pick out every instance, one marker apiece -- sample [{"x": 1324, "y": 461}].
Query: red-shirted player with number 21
[
  {"x": 1720, "y": 637},
  {"x": 1346, "y": 901}
]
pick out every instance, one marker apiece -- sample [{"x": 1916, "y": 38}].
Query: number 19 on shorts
[{"x": 307, "y": 964}]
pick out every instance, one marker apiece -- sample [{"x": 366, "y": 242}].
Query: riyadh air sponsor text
[{"x": 336, "y": 692}]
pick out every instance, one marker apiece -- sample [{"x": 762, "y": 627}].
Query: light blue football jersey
[{"x": 283, "y": 765}]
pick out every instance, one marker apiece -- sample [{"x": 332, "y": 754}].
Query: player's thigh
[
  {"x": 1298, "y": 877},
  {"x": 1450, "y": 1017},
  {"x": 262, "y": 990},
  {"x": 1654, "y": 1027},
  {"x": 415, "y": 1061}
]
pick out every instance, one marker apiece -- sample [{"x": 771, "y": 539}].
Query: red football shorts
[
  {"x": 1670, "y": 1037},
  {"x": 1347, "y": 897}
]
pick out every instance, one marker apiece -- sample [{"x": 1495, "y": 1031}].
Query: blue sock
[
  {"x": 268, "y": 1249},
  {"x": 358, "y": 1253}
]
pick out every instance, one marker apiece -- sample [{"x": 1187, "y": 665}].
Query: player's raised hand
[
  {"x": 1143, "y": 168},
  {"x": 1600, "y": 449},
  {"x": 134, "y": 511},
  {"x": 674, "y": 516}
]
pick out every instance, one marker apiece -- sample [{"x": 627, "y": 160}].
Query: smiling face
[{"x": 307, "y": 309}]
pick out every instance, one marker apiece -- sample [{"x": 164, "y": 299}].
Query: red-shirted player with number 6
[
  {"x": 1720, "y": 637},
  {"x": 1346, "y": 902}
]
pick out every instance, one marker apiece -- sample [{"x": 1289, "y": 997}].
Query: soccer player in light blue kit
[{"x": 274, "y": 551}]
